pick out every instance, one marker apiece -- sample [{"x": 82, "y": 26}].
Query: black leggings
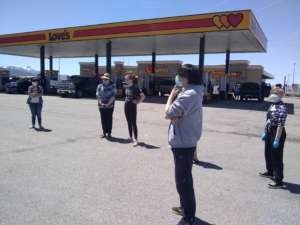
[{"x": 130, "y": 113}]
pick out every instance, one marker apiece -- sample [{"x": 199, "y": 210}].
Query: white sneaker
[
  {"x": 135, "y": 143},
  {"x": 32, "y": 127}
]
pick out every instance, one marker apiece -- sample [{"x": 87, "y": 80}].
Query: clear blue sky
[{"x": 279, "y": 20}]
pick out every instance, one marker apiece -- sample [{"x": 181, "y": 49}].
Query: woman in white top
[{"x": 35, "y": 102}]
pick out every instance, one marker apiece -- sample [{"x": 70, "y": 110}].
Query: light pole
[{"x": 294, "y": 79}]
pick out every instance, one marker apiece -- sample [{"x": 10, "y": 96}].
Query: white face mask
[
  {"x": 34, "y": 83},
  {"x": 274, "y": 98},
  {"x": 106, "y": 82}
]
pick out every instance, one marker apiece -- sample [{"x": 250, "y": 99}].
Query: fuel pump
[
  {"x": 207, "y": 78},
  {"x": 4, "y": 77},
  {"x": 118, "y": 80},
  {"x": 148, "y": 83},
  {"x": 51, "y": 80}
]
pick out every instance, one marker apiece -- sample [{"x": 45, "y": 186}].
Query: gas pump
[
  {"x": 148, "y": 83},
  {"x": 51, "y": 80},
  {"x": 117, "y": 77},
  {"x": 4, "y": 77},
  {"x": 207, "y": 83}
]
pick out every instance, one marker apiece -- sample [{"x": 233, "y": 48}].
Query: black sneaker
[
  {"x": 275, "y": 185},
  {"x": 185, "y": 221},
  {"x": 102, "y": 136},
  {"x": 108, "y": 136},
  {"x": 177, "y": 211},
  {"x": 266, "y": 174}
]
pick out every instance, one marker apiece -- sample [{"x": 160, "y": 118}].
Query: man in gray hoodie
[{"x": 185, "y": 131}]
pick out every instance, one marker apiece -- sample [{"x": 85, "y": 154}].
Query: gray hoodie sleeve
[{"x": 183, "y": 105}]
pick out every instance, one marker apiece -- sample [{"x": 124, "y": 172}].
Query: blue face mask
[{"x": 177, "y": 81}]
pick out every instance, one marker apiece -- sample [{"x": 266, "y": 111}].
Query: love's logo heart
[{"x": 228, "y": 20}]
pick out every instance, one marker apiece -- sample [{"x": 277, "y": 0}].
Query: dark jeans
[
  {"x": 130, "y": 113},
  {"x": 106, "y": 119},
  {"x": 36, "y": 111},
  {"x": 183, "y": 159},
  {"x": 274, "y": 156}
]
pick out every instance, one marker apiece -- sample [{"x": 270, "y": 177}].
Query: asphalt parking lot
[{"x": 66, "y": 174}]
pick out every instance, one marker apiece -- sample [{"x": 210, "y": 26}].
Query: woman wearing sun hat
[{"x": 106, "y": 93}]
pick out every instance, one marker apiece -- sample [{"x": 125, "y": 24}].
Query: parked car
[
  {"x": 20, "y": 85},
  {"x": 8, "y": 81},
  {"x": 78, "y": 86},
  {"x": 165, "y": 86},
  {"x": 251, "y": 90}
]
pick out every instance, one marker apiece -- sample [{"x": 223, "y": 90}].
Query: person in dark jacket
[
  {"x": 274, "y": 138},
  {"x": 106, "y": 93}
]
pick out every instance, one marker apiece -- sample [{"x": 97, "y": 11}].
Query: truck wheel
[
  {"x": 64, "y": 95},
  {"x": 79, "y": 93}
]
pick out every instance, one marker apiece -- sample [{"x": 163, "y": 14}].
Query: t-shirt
[{"x": 131, "y": 93}]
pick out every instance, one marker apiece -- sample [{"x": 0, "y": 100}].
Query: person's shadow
[
  {"x": 293, "y": 188},
  {"x": 207, "y": 165},
  {"x": 119, "y": 140},
  {"x": 201, "y": 222},
  {"x": 142, "y": 144},
  {"x": 124, "y": 141},
  {"x": 43, "y": 130}
]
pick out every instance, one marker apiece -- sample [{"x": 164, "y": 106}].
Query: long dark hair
[{"x": 192, "y": 73}]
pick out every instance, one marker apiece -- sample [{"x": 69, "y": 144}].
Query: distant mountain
[{"x": 24, "y": 71}]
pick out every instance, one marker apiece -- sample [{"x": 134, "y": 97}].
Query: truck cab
[
  {"x": 79, "y": 86},
  {"x": 251, "y": 90}
]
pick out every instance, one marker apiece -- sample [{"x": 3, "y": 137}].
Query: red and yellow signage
[
  {"x": 157, "y": 70},
  {"x": 233, "y": 74},
  {"x": 238, "y": 20},
  {"x": 87, "y": 69}
]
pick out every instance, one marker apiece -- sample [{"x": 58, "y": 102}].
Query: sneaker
[
  {"x": 108, "y": 136},
  {"x": 32, "y": 127},
  {"x": 41, "y": 127},
  {"x": 275, "y": 185},
  {"x": 102, "y": 136},
  {"x": 177, "y": 211},
  {"x": 135, "y": 143},
  {"x": 128, "y": 140},
  {"x": 266, "y": 174},
  {"x": 185, "y": 221}
]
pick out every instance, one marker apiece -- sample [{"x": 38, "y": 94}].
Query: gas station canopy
[{"x": 236, "y": 31}]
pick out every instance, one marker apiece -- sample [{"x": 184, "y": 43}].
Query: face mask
[
  {"x": 274, "y": 98},
  {"x": 177, "y": 81},
  {"x": 34, "y": 83},
  {"x": 106, "y": 82}
]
